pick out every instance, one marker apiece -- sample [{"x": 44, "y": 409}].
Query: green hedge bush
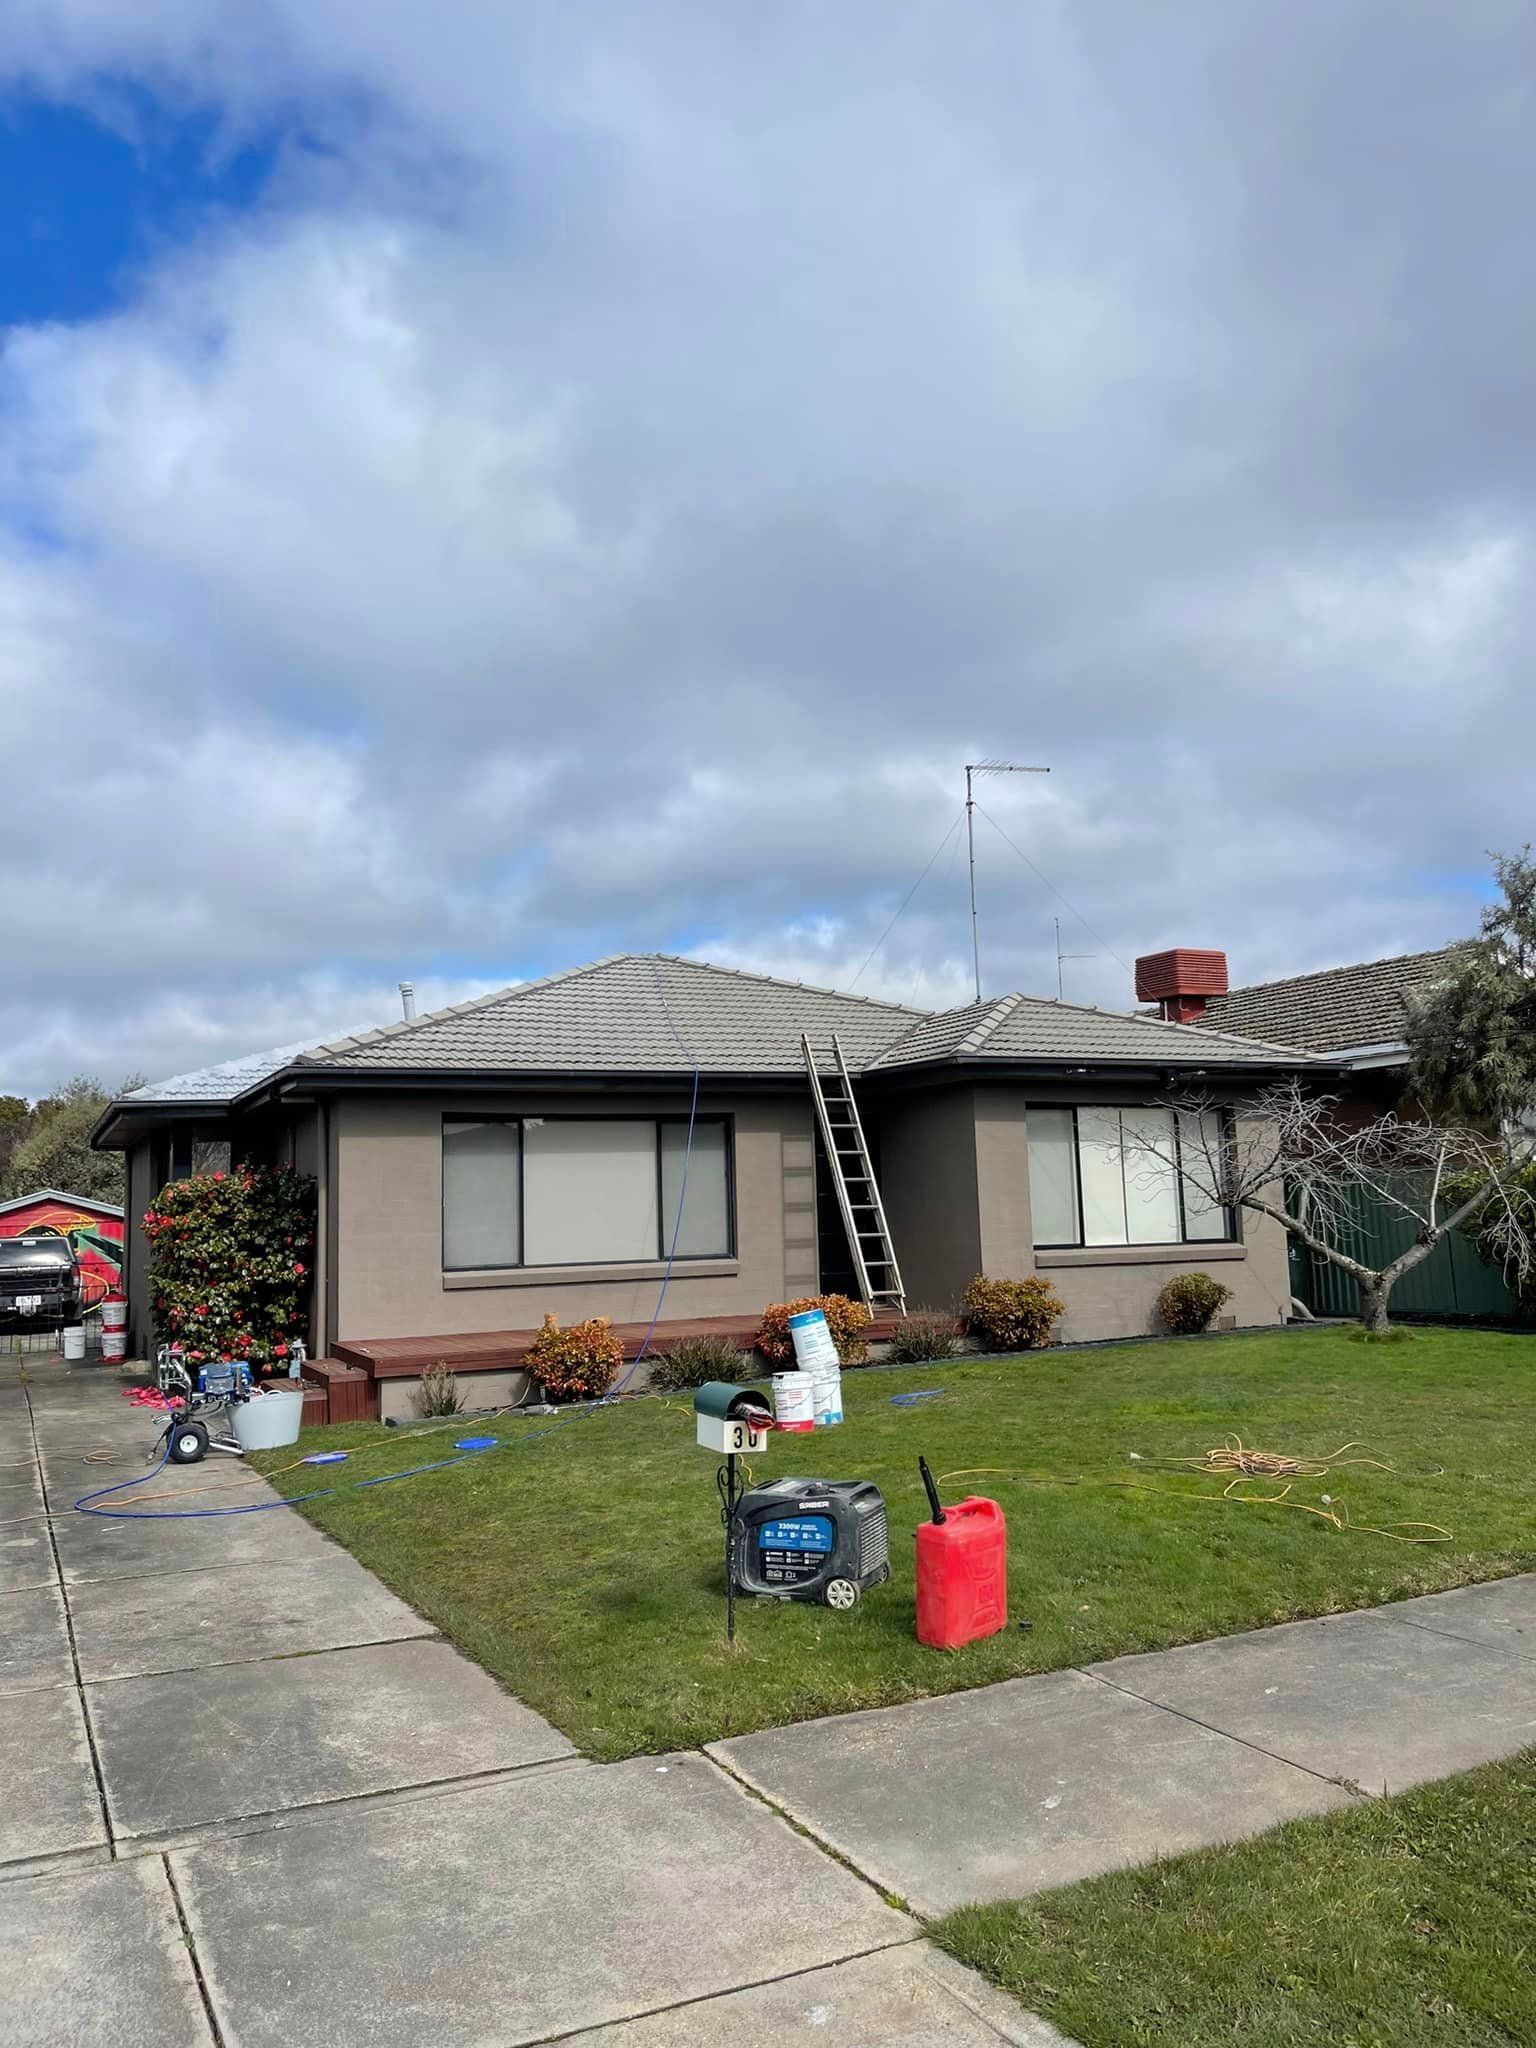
[{"x": 230, "y": 1262}]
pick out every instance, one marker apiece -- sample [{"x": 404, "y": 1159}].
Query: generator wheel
[
  {"x": 842, "y": 1593},
  {"x": 189, "y": 1443}
]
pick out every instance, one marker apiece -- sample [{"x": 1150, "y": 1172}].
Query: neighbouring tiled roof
[
  {"x": 1033, "y": 1028},
  {"x": 1336, "y": 1010},
  {"x": 222, "y": 1083},
  {"x": 642, "y": 1013}
]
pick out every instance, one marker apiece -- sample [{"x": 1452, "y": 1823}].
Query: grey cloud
[{"x": 621, "y": 531}]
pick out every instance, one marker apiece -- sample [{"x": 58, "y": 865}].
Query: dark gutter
[{"x": 104, "y": 1130}]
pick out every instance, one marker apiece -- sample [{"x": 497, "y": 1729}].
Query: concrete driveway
[{"x": 251, "y": 1797}]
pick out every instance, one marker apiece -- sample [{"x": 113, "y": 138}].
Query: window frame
[
  {"x": 1080, "y": 1242},
  {"x": 657, "y": 1120}
]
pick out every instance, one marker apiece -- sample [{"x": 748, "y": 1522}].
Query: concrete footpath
[{"x": 251, "y": 1798}]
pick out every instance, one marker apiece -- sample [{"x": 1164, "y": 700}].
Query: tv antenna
[
  {"x": 984, "y": 768},
  {"x": 1060, "y": 957}
]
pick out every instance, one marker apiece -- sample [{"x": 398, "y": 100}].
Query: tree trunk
[{"x": 1373, "y": 1307}]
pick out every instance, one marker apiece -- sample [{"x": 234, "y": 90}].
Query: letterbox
[{"x": 730, "y": 1419}]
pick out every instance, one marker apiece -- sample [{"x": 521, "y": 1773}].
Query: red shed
[{"x": 95, "y": 1229}]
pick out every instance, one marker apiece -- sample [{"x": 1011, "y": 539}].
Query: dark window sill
[
  {"x": 565, "y": 1276},
  {"x": 1141, "y": 1254}
]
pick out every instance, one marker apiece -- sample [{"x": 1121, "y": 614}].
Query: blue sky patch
[{"x": 84, "y": 204}]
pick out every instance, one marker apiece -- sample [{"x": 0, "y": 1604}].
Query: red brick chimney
[{"x": 1180, "y": 982}]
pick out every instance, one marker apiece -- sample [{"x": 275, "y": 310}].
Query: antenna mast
[{"x": 984, "y": 768}]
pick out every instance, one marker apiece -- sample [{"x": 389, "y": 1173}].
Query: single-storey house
[{"x": 524, "y": 1153}]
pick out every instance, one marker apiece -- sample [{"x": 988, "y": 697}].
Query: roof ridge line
[{"x": 1002, "y": 1006}]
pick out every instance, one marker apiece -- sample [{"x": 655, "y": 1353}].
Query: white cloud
[{"x": 608, "y": 491}]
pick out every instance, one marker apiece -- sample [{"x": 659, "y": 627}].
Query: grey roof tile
[
  {"x": 652, "y": 1013},
  {"x": 1335, "y": 1010},
  {"x": 642, "y": 1013},
  {"x": 1031, "y": 1028},
  {"x": 221, "y": 1083}
]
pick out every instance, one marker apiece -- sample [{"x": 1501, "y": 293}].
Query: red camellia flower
[
  {"x": 279, "y": 1350},
  {"x": 201, "y": 1309},
  {"x": 218, "y": 1176},
  {"x": 298, "y": 1267}
]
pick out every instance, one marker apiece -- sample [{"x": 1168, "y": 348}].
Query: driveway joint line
[
  {"x": 809, "y": 1834},
  {"x": 74, "y": 1650},
  {"x": 1451, "y": 1635},
  {"x": 731, "y": 1991},
  {"x": 192, "y": 1955},
  {"x": 235, "y": 1663},
  {"x": 280, "y": 1819},
  {"x": 1210, "y": 1728}
]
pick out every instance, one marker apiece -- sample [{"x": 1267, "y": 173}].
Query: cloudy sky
[{"x": 485, "y": 485}]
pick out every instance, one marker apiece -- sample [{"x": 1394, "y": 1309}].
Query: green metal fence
[{"x": 1452, "y": 1281}]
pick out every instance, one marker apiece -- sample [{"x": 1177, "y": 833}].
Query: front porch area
[{"x": 367, "y": 1378}]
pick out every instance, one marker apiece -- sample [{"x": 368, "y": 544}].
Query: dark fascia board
[
  {"x": 312, "y": 1082},
  {"x": 315, "y": 1082},
  {"x": 107, "y": 1136},
  {"x": 953, "y": 1071}
]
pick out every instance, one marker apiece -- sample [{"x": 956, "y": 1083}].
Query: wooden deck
[{"x": 387, "y": 1358}]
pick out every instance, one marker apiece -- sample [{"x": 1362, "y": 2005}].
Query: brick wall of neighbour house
[
  {"x": 384, "y": 1273},
  {"x": 955, "y": 1167}
]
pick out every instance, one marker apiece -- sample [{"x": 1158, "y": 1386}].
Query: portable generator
[{"x": 810, "y": 1539}]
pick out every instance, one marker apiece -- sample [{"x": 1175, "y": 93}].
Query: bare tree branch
[{"x": 1304, "y": 1162}]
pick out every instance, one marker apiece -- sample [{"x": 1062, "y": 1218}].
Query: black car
[{"x": 39, "y": 1282}]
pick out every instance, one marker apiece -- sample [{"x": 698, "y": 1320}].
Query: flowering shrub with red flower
[{"x": 229, "y": 1261}]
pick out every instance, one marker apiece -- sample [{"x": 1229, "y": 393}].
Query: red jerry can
[{"x": 962, "y": 1571}]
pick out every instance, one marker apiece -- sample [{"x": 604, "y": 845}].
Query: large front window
[
  {"x": 583, "y": 1191},
  {"x": 1126, "y": 1176}
]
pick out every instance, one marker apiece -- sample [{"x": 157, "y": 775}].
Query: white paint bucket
[
  {"x": 268, "y": 1419},
  {"x": 74, "y": 1340},
  {"x": 794, "y": 1401},
  {"x": 828, "y": 1396},
  {"x": 814, "y": 1350},
  {"x": 816, "y": 1354},
  {"x": 114, "y": 1314},
  {"x": 114, "y": 1344}
]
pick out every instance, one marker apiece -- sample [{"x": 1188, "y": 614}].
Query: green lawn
[
  {"x": 585, "y": 1569},
  {"x": 1405, "y": 1923}
]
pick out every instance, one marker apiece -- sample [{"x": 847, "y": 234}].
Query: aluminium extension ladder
[{"x": 853, "y": 1175}]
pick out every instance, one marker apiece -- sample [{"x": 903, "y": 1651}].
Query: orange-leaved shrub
[
  {"x": 1012, "y": 1315},
  {"x": 847, "y": 1320},
  {"x": 578, "y": 1364}
]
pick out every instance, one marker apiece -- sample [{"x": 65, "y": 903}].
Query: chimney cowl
[
  {"x": 408, "y": 1001},
  {"x": 1181, "y": 981}
]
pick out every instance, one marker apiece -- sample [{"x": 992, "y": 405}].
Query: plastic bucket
[
  {"x": 74, "y": 1340},
  {"x": 794, "y": 1401},
  {"x": 814, "y": 1349},
  {"x": 828, "y": 1397},
  {"x": 268, "y": 1419},
  {"x": 114, "y": 1343},
  {"x": 114, "y": 1315}
]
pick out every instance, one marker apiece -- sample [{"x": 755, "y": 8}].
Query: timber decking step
[{"x": 384, "y": 1358}]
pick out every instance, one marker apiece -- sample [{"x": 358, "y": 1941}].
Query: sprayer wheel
[
  {"x": 842, "y": 1593},
  {"x": 189, "y": 1443}
]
